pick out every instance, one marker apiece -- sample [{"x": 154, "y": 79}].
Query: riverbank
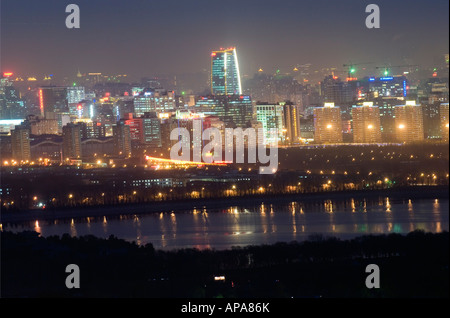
[{"x": 422, "y": 192}]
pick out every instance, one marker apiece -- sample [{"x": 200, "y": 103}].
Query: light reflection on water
[{"x": 254, "y": 225}]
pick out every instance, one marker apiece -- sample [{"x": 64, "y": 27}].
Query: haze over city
[{"x": 141, "y": 38}]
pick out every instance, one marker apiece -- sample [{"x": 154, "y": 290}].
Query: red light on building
[
  {"x": 41, "y": 101},
  {"x": 125, "y": 94},
  {"x": 79, "y": 107},
  {"x": 107, "y": 94},
  {"x": 7, "y": 74},
  {"x": 99, "y": 124},
  {"x": 213, "y": 54},
  {"x": 434, "y": 74}
]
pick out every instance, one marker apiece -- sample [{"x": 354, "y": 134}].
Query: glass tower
[{"x": 225, "y": 77}]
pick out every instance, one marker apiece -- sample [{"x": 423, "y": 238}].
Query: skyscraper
[
  {"x": 291, "y": 122},
  {"x": 71, "y": 141},
  {"x": 122, "y": 139},
  {"x": 233, "y": 110},
  {"x": 52, "y": 99},
  {"x": 225, "y": 76},
  {"x": 75, "y": 94},
  {"x": 327, "y": 124},
  {"x": 409, "y": 122},
  {"x": 366, "y": 123},
  {"x": 271, "y": 117},
  {"x": 20, "y": 143}
]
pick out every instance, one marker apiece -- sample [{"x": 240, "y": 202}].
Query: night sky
[{"x": 145, "y": 37}]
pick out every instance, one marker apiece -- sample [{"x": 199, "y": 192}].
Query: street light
[{"x": 401, "y": 126}]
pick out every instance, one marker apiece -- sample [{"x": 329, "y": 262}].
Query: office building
[
  {"x": 122, "y": 139},
  {"x": 291, "y": 122},
  {"x": 233, "y": 110},
  {"x": 225, "y": 77},
  {"x": 271, "y": 117},
  {"x": 52, "y": 99},
  {"x": 71, "y": 148}
]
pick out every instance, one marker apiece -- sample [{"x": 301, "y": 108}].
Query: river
[{"x": 256, "y": 224}]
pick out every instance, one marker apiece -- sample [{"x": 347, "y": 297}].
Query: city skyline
[{"x": 148, "y": 37}]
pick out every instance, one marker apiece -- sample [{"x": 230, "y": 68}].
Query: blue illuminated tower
[{"x": 225, "y": 77}]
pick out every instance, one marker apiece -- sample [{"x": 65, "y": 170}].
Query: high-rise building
[
  {"x": 157, "y": 100},
  {"x": 271, "y": 117},
  {"x": 151, "y": 130},
  {"x": 91, "y": 129},
  {"x": 432, "y": 120},
  {"x": 52, "y": 99},
  {"x": 327, "y": 124},
  {"x": 122, "y": 139},
  {"x": 388, "y": 86},
  {"x": 20, "y": 144},
  {"x": 409, "y": 122},
  {"x": 366, "y": 123},
  {"x": 291, "y": 122},
  {"x": 225, "y": 76},
  {"x": 444, "y": 113},
  {"x": 145, "y": 129},
  {"x": 75, "y": 94},
  {"x": 233, "y": 110},
  {"x": 386, "y": 107},
  {"x": 71, "y": 147},
  {"x": 335, "y": 91}
]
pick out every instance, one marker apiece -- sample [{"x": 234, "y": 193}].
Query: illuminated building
[
  {"x": 71, "y": 141},
  {"x": 432, "y": 120},
  {"x": 75, "y": 94},
  {"x": 154, "y": 101},
  {"x": 122, "y": 139},
  {"x": 233, "y": 110},
  {"x": 20, "y": 143},
  {"x": 271, "y": 117},
  {"x": 307, "y": 127},
  {"x": 409, "y": 122},
  {"x": 225, "y": 77},
  {"x": 388, "y": 86},
  {"x": 52, "y": 99},
  {"x": 327, "y": 124},
  {"x": 386, "y": 107},
  {"x": 366, "y": 123},
  {"x": 91, "y": 129},
  {"x": 41, "y": 126},
  {"x": 6, "y": 125},
  {"x": 444, "y": 114},
  {"x": 291, "y": 122},
  {"x": 145, "y": 129}
]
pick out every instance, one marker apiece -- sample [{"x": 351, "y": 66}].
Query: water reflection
[
  {"x": 73, "y": 230},
  {"x": 260, "y": 224}
]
